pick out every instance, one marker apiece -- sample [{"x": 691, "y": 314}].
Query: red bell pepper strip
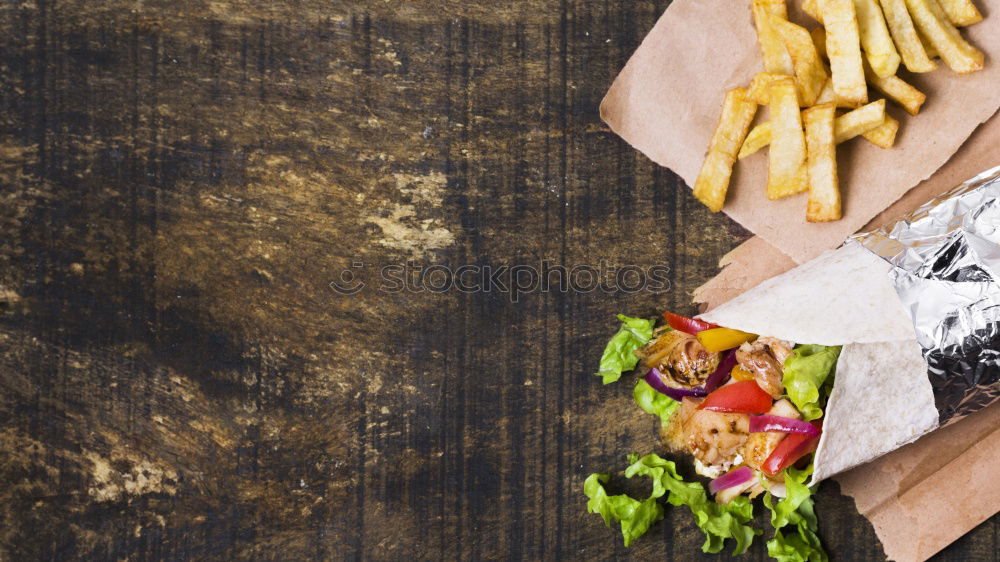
[
  {"x": 687, "y": 325},
  {"x": 789, "y": 450},
  {"x": 743, "y": 397}
]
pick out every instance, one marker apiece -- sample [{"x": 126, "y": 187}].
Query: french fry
[
  {"x": 883, "y": 136},
  {"x": 843, "y": 46},
  {"x": 757, "y": 138},
  {"x": 905, "y": 35},
  {"x": 758, "y": 87},
  {"x": 931, "y": 51},
  {"x": 898, "y": 90},
  {"x": 819, "y": 40},
  {"x": 932, "y": 22},
  {"x": 827, "y": 95},
  {"x": 849, "y": 125},
  {"x": 824, "y": 191},
  {"x": 810, "y": 74},
  {"x": 961, "y": 12},
  {"x": 786, "y": 172},
  {"x": 776, "y": 58},
  {"x": 854, "y": 123},
  {"x": 811, "y": 7},
  {"x": 875, "y": 39},
  {"x": 713, "y": 181}
]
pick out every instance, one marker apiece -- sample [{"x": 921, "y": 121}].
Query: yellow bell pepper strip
[
  {"x": 739, "y": 373},
  {"x": 721, "y": 339}
]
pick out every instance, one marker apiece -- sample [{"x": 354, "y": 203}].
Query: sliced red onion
[
  {"x": 721, "y": 373},
  {"x": 732, "y": 478},
  {"x": 768, "y": 422},
  {"x": 654, "y": 380}
]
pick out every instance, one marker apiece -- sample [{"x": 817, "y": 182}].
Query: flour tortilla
[{"x": 882, "y": 398}]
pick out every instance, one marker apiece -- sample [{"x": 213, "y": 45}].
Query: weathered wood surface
[{"x": 181, "y": 183}]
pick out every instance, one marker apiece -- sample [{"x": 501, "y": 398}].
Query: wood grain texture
[{"x": 182, "y": 181}]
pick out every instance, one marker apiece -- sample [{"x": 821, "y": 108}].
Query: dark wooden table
[{"x": 183, "y": 181}]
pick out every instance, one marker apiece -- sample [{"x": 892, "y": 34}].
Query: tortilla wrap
[{"x": 882, "y": 398}]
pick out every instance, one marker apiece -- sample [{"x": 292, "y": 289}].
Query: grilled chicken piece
[
  {"x": 759, "y": 446},
  {"x": 684, "y": 362},
  {"x": 672, "y": 434},
  {"x": 714, "y": 438},
  {"x": 758, "y": 359},
  {"x": 780, "y": 349}
]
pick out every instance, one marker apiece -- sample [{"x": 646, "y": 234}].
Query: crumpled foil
[{"x": 946, "y": 258}]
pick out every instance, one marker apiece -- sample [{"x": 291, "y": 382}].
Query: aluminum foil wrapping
[{"x": 946, "y": 258}]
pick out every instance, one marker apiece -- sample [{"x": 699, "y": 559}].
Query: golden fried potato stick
[
  {"x": 849, "y": 125},
  {"x": 898, "y": 90},
  {"x": 859, "y": 121},
  {"x": 829, "y": 96},
  {"x": 810, "y": 74},
  {"x": 757, "y": 138},
  {"x": 932, "y": 22},
  {"x": 786, "y": 171},
  {"x": 758, "y": 87},
  {"x": 819, "y": 40},
  {"x": 843, "y": 46},
  {"x": 776, "y": 58},
  {"x": 875, "y": 39},
  {"x": 713, "y": 181},
  {"x": 931, "y": 51},
  {"x": 811, "y": 7},
  {"x": 883, "y": 136},
  {"x": 905, "y": 35},
  {"x": 824, "y": 191},
  {"x": 961, "y": 12}
]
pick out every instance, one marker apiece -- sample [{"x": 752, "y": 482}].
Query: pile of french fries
[{"x": 809, "y": 75}]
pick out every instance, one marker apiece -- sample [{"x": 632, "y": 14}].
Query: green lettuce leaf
[
  {"x": 718, "y": 522},
  {"x": 634, "y": 515},
  {"x": 618, "y": 355},
  {"x": 653, "y": 402},
  {"x": 796, "y": 509},
  {"x": 806, "y": 371}
]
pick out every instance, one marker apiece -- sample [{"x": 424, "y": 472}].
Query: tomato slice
[
  {"x": 792, "y": 448},
  {"x": 743, "y": 397},
  {"x": 687, "y": 325}
]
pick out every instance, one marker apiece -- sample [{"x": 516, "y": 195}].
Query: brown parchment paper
[
  {"x": 667, "y": 100},
  {"x": 922, "y": 497}
]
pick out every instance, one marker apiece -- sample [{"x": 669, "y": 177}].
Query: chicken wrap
[
  {"x": 880, "y": 397},
  {"x": 827, "y": 366}
]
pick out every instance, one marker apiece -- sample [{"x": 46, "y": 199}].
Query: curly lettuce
[
  {"x": 807, "y": 370},
  {"x": 796, "y": 510},
  {"x": 653, "y": 402},
  {"x": 619, "y": 356},
  {"x": 718, "y": 522},
  {"x": 635, "y": 516}
]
